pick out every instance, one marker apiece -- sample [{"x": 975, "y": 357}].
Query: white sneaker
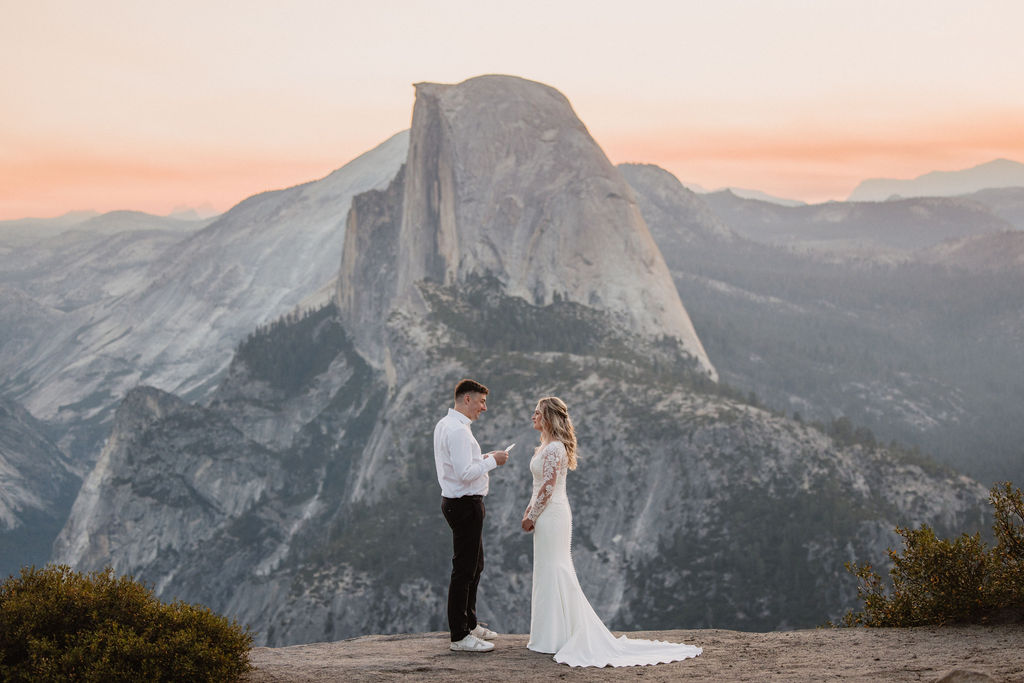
[
  {"x": 483, "y": 633},
  {"x": 472, "y": 644}
]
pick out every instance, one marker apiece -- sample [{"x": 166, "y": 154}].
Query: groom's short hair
[{"x": 469, "y": 386}]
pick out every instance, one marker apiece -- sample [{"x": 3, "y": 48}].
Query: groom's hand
[{"x": 500, "y": 457}]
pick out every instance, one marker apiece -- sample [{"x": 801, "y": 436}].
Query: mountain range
[
  {"x": 298, "y": 494},
  {"x": 89, "y": 315},
  {"x": 734, "y": 367},
  {"x": 993, "y": 174},
  {"x": 920, "y": 345},
  {"x": 36, "y": 231},
  {"x": 897, "y": 226}
]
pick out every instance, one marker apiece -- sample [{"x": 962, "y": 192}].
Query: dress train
[{"x": 562, "y": 622}]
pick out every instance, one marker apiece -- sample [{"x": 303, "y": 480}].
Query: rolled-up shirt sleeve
[{"x": 467, "y": 462}]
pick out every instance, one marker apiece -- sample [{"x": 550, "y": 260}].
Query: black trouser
[{"x": 466, "y": 518}]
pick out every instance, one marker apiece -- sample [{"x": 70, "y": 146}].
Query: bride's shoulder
[{"x": 555, "y": 447}]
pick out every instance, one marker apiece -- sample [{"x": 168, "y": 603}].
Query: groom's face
[{"x": 475, "y": 404}]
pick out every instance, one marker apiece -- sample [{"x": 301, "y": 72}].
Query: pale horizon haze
[{"x": 153, "y": 106}]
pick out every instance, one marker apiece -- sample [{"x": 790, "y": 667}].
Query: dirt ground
[{"x": 954, "y": 653}]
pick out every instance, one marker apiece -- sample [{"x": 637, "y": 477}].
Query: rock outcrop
[{"x": 504, "y": 181}]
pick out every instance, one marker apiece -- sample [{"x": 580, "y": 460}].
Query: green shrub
[
  {"x": 937, "y": 581},
  {"x": 57, "y": 624},
  {"x": 1008, "y": 583}
]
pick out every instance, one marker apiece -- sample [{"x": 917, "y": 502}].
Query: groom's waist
[{"x": 476, "y": 496}]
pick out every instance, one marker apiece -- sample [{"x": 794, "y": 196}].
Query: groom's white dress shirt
[{"x": 461, "y": 470}]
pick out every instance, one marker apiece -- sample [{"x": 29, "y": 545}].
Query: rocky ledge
[{"x": 958, "y": 654}]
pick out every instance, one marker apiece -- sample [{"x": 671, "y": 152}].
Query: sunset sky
[{"x": 153, "y": 104}]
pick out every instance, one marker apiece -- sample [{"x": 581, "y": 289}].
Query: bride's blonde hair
[{"x": 559, "y": 425}]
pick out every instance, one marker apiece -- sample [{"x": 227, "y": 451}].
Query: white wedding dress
[{"x": 562, "y": 622}]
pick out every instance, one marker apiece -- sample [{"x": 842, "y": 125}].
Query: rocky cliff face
[
  {"x": 37, "y": 486},
  {"x": 504, "y": 181}
]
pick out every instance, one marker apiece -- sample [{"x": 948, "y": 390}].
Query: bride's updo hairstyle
[{"x": 556, "y": 417}]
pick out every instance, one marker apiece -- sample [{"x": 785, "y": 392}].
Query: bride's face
[{"x": 538, "y": 420}]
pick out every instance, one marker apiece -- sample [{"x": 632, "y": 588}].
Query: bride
[{"x": 562, "y": 622}]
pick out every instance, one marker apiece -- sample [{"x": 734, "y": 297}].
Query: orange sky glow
[{"x": 155, "y": 106}]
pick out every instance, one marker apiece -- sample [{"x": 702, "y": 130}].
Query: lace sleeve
[{"x": 551, "y": 459}]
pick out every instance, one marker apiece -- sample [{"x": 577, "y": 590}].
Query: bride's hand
[{"x": 527, "y": 524}]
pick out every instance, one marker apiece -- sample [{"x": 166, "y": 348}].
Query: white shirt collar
[{"x": 459, "y": 416}]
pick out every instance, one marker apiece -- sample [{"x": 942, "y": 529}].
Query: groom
[{"x": 462, "y": 474}]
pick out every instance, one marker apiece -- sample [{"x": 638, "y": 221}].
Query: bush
[
  {"x": 57, "y": 624},
  {"x": 939, "y": 581}
]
